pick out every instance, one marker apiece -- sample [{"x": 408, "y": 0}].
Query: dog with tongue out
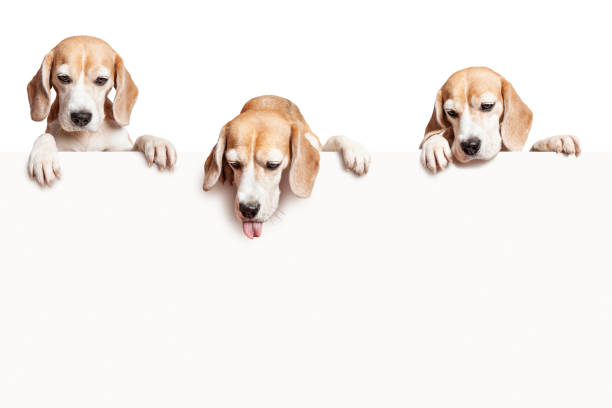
[{"x": 268, "y": 136}]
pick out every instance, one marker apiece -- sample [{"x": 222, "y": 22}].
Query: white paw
[
  {"x": 436, "y": 153},
  {"x": 567, "y": 145},
  {"x": 43, "y": 164},
  {"x": 356, "y": 158},
  {"x": 158, "y": 151}
]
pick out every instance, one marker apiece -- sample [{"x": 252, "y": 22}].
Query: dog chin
[
  {"x": 68, "y": 126},
  {"x": 463, "y": 158},
  {"x": 74, "y": 129}
]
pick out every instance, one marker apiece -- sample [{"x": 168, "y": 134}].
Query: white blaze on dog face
[
  {"x": 258, "y": 150},
  {"x": 473, "y": 105},
  {"x": 82, "y": 77}
]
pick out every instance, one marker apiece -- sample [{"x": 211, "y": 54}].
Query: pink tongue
[{"x": 252, "y": 229}]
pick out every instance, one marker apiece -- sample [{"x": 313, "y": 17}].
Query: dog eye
[
  {"x": 486, "y": 107},
  {"x": 452, "y": 113},
  {"x": 272, "y": 165},
  {"x": 64, "y": 79},
  {"x": 101, "y": 81},
  {"x": 236, "y": 165}
]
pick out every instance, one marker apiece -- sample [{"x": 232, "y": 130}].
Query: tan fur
[
  {"x": 264, "y": 123},
  {"x": 464, "y": 89},
  {"x": 83, "y": 54},
  {"x": 84, "y": 59},
  {"x": 253, "y": 150},
  {"x": 517, "y": 118},
  {"x": 473, "y": 82}
]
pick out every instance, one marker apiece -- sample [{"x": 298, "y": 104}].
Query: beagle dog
[
  {"x": 269, "y": 135},
  {"x": 82, "y": 71},
  {"x": 476, "y": 115}
]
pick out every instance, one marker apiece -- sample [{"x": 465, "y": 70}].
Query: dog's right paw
[
  {"x": 43, "y": 164},
  {"x": 436, "y": 153}
]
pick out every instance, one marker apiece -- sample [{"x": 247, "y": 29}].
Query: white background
[{"x": 369, "y": 70}]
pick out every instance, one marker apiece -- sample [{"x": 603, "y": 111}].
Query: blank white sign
[{"x": 483, "y": 286}]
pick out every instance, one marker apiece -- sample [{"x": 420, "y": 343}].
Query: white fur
[
  {"x": 103, "y": 72},
  {"x": 108, "y": 137},
  {"x": 256, "y": 184},
  {"x": 157, "y": 150},
  {"x": 467, "y": 129},
  {"x": 474, "y": 123},
  {"x": 356, "y": 158},
  {"x": 63, "y": 69},
  {"x": 43, "y": 163},
  {"x": 487, "y": 97},
  {"x": 436, "y": 153},
  {"x": 273, "y": 155},
  {"x": 231, "y": 155},
  {"x": 81, "y": 95},
  {"x": 249, "y": 190}
]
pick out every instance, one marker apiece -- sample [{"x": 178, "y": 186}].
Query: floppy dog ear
[
  {"x": 126, "y": 94},
  {"x": 39, "y": 90},
  {"x": 516, "y": 121},
  {"x": 304, "y": 163},
  {"x": 438, "y": 122},
  {"x": 215, "y": 163}
]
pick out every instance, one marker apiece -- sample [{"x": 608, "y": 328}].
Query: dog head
[
  {"x": 253, "y": 150},
  {"x": 479, "y": 113},
  {"x": 82, "y": 70}
]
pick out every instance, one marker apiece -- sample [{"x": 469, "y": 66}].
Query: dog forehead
[
  {"x": 471, "y": 84},
  {"x": 260, "y": 131},
  {"x": 484, "y": 84},
  {"x": 272, "y": 144},
  {"x": 239, "y": 135},
  {"x": 84, "y": 53}
]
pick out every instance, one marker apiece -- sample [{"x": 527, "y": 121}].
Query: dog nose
[
  {"x": 471, "y": 146},
  {"x": 249, "y": 210},
  {"x": 80, "y": 118}
]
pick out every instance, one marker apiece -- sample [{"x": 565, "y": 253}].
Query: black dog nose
[
  {"x": 471, "y": 146},
  {"x": 80, "y": 118},
  {"x": 249, "y": 210}
]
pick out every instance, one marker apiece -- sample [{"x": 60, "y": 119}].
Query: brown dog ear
[
  {"x": 126, "y": 93},
  {"x": 39, "y": 90},
  {"x": 438, "y": 124},
  {"x": 215, "y": 163},
  {"x": 516, "y": 122},
  {"x": 304, "y": 163}
]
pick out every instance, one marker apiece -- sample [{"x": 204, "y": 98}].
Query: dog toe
[{"x": 160, "y": 156}]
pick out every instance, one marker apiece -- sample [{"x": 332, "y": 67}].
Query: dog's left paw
[
  {"x": 356, "y": 158},
  {"x": 567, "y": 145},
  {"x": 158, "y": 151}
]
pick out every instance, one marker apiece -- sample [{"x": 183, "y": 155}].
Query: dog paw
[
  {"x": 157, "y": 150},
  {"x": 436, "y": 153},
  {"x": 567, "y": 145},
  {"x": 43, "y": 163},
  {"x": 356, "y": 158}
]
